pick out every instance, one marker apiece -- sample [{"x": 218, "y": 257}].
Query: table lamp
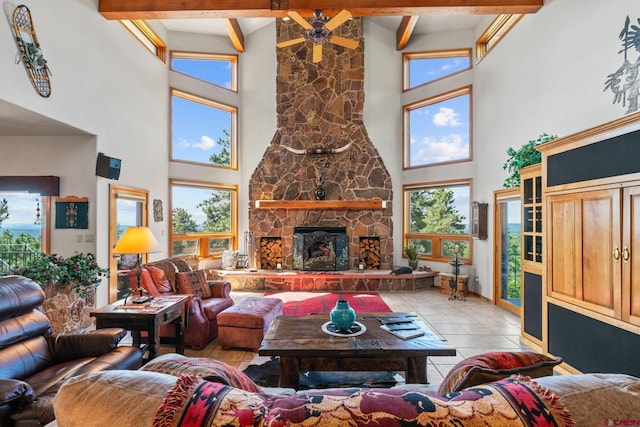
[{"x": 137, "y": 240}]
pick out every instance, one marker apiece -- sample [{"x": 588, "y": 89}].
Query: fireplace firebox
[{"x": 320, "y": 248}]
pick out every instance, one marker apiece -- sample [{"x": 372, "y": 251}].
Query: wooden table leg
[
  {"x": 416, "y": 370},
  {"x": 154, "y": 339},
  {"x": 179, "y": 335},
  {"x": 289, "y": 367}
]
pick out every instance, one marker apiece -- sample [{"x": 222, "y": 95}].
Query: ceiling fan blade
[
  {"x": 338, "y": 20},
  {"x": 344, "y": 42},
  {"x": 291, "y": 42},
  {"x": 317, "y": 53},
  {"x": 299, "y": 19}
]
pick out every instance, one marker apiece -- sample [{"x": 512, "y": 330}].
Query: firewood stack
[
  {"x": 270, "y": 252},
  {"x": 370, "y": 252}
]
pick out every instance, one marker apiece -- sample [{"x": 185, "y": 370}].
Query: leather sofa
[
  {"x": 35, "y": 362},
  {"x": 160, "y": 278}
]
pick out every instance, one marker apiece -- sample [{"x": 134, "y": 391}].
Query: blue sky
[
  {"x": 22, "y": 207},
  {"x": 423, "y": 70}
]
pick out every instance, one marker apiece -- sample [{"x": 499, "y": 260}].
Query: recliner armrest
[
  {"x": 15, "y": 393},
  {"x": 71, "y": 346},
  {"x": 220, "y": 288}
]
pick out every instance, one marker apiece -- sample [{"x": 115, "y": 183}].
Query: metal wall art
[{"x": 625, "y": 81}]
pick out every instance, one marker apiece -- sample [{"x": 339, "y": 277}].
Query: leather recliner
[
  {"x": 159, "y": 278},
  {"x": 35, "y": 362}
]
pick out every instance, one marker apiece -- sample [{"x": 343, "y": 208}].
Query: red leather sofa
[
  {"x": 35, "y": 362},
  {"x": 160, "y": 278}
]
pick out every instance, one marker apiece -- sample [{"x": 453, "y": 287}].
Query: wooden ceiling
[{"x": 232, "y": 9}]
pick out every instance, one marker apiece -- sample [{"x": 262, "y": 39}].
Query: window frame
[
  {"x": 204, "y": 238},
  {"x": 233, "y": 147},
  {"x": 436, "y": 238},
  {"x": 233, "y": 59},
  {"x": 448, "y": 53},
  {"x": 495, "y": 32},
  {"x": 143, "y": 32},
  {"x": 406, "y": 139}
]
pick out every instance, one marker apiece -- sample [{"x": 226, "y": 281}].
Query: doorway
[
  {"x": 127, "y": 208},
  {"x": 508, "y": 244}
]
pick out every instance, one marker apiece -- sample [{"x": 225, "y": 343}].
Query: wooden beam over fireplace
[
  {"x": 173, "y": 9},
  {"x": 322, "y": 204}
]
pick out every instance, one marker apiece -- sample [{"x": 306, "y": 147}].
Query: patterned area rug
[{"x": 303, "y": 303}]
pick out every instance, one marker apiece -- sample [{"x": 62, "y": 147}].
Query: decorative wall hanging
[
  {"x": 30, "y": 52},
  {"x": 157, "y": 210},
  {"x": 72, "y": 212},
  {"x": 625, "y": 82}
]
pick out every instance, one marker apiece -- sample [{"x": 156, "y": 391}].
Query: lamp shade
[{"x": 137, "y": 240}]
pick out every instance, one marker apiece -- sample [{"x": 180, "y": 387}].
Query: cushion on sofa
[
  {"x": 209, "y": 369},
  {"x": 160, "y": 279},
  {"x": 510, "y": 402},
  {"x": 111, "y": 398},
  {"x": 493, "y": 366},
  {"x": 193, "y": 283}
]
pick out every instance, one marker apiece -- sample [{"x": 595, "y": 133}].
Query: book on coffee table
[
  {"x": 397, "y": 318},
  {"x": 406, "y": 334},
  {"x": 400, "y": 326}
]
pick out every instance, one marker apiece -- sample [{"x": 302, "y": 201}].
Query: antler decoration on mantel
[{"x": 318, "y": 150}]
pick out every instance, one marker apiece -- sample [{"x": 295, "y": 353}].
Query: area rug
[
  {"x": 303, "y": 303},
  {"x": 267, "y": 374}
]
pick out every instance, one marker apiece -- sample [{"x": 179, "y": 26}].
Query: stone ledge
[{"x": 308, "y": 281}]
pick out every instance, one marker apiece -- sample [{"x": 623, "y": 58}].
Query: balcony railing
[{"x": 14, "y": 256}]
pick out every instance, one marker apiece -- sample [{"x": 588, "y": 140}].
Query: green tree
[
  {"x": 514, "y": 265},
  {"x": 217, "y": 210},
  {"x": 223, "y": 158},
  {"x": 183, "y": 222},
  {"x": 434, "y": 212},
  {"x": 4, "y": 210}
]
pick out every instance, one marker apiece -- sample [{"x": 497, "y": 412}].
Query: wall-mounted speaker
[{"x": 108, "y": 167}]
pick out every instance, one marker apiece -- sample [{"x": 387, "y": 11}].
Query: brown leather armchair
[
  {"x": 160, "y": 278},
  {"x": 34, "y": 362}
]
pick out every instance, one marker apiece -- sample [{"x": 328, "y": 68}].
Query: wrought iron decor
[{"x": 625, "y": 81}]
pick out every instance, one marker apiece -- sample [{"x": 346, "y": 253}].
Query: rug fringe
[
  {"x": 175, "y": 400},
  {"x": 550, "y": 398}
]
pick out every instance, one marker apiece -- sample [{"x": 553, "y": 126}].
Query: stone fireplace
[{"x": 322, "y": 144}]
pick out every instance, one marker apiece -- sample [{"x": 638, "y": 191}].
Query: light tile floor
[{"x": 472, "y": 326}]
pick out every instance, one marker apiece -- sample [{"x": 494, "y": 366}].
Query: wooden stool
[
  {"x": 462, "y": 285},
  {"x": 244, "y": 324}
]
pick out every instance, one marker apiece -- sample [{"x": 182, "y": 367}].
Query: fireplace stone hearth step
[{"x": 308, "y": 281}]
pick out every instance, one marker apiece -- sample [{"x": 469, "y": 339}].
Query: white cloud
[
  {"x": 206, "y": 143},
  {"x": 446, "y": 117},
  {"x": 432, "y": 150}
]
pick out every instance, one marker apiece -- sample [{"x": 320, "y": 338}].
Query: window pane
[
  {"x": 21, "y": 228},
  {"x": 200, "y": 210},
  {"x": 441, "y": 210},
  {"x": 213, "y": 70},
  {"x": 423, "y": 245},
  {"x": 216, "y": 246},
  {"x": 185, "y": 247},
  {"x": 425, "y": 70},
  {"x": 439, "y": 131},
  {"x": 448, "y": 248},
  {"x": 201, "y": 132}
]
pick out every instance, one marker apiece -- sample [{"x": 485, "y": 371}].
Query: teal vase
[{"x": 343, "y": 316}]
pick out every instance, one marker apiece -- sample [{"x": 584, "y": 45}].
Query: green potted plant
[
  {"x": 527, "y": 155},
  {"x": 412, "y": 253}
]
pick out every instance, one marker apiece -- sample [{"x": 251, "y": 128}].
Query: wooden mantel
[{"x": 321, "y": 204}]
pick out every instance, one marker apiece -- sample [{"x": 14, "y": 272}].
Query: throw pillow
[
  {"x": 160, "y": 279},
  {"x": 494, "y": 366},
  {"x": 229, "y": 260},
  {"x": 194, "y": 283},
  {"x": 207, "y": 369}
]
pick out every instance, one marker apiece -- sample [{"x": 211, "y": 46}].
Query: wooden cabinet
[
  {"x": 479, "y": 220},
  {"x": 630, "y": 256}
]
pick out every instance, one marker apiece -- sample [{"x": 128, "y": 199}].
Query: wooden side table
[
  {"x": 462, "y": 288},
  {"x": 148, "y": 317}
]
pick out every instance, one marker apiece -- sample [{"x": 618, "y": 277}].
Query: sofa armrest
[
  {"x": 16, "y": 393},
  {"x": 70, "y": 346},
  {"x": 220, "y": 288}
]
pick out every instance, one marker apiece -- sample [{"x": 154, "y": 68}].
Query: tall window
[
  {"x": 202, "y": 131},
  {"x": 436, "y": 219},
  {"x": 145, "y": 35},
  {"x": 203, "y": 218},
  {"x": 438, "y": 129},
  {"x": 220, "y": 70},
  {"x": 425, "y": 67},
  {"x": 494, "y": 33}
]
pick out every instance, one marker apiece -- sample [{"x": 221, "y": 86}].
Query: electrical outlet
[{"x": 88, "y": 238}]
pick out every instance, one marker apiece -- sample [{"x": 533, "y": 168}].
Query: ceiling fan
[{"x": 319, "y": 31}]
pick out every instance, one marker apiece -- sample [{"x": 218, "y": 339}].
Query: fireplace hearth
[{"x": 320, "y": 248}]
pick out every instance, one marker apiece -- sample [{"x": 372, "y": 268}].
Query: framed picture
[
  {"x": 157, "y": 210},
  {"x": 72, "y": 212}
]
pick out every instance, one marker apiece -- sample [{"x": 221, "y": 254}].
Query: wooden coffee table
[
  {"x": 145, "y": 317},
  {"x": 303, "y": 346}
]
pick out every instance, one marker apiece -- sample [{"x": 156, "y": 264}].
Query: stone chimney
[{"x": 321, "y": 141}]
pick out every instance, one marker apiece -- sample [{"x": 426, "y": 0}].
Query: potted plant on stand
[
  {"x": 412, "y": 252},
  {"x": 69, "y": 285}
]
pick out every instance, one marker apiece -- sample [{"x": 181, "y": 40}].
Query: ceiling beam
[
  {"x": 235, "y": 33},
  {"x": 176, "y": 9},
  {"x": 405, "y": 30}
]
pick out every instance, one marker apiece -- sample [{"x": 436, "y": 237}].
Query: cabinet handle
[
  {"x": 616, "y": 253},
  {"x": 625, "y": 254}
]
